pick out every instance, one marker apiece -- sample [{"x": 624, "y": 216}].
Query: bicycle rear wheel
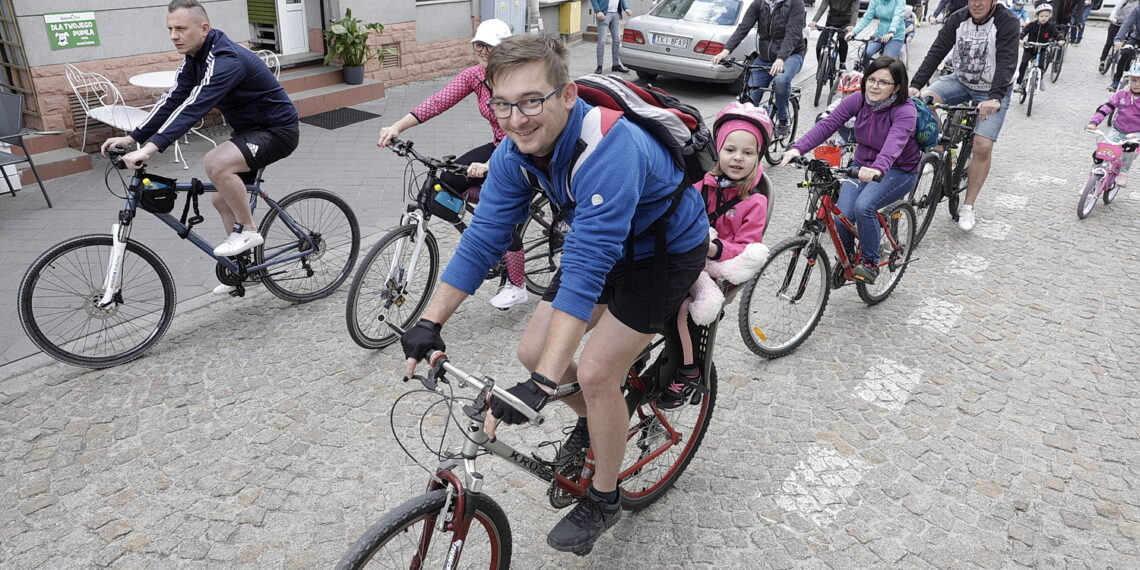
[
  {"x": 895, "y": 247},
  {"x": 661, "y": 443},
  {"x": 385, "y": 290},
  {"x": 330, "y": 223},
  {"x": 542, "y": 240},
  {"x": 59, "y": 296},
  {"x": 927, "y": 193},
  {"x": 407, "y": 537},
  {"x": 1088, "y": 196},
  {"x": 781, "y": 306}
]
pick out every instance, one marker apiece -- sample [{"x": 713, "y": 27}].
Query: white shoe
[
  {"x": 224, "y": 289},
  {"x": 509, "y": 296},
  {"x": 236, "y": 243},
  {"x": 966, "y": 217}
]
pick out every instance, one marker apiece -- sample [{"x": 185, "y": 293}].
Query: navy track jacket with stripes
[{"x": 225, "y": 75}]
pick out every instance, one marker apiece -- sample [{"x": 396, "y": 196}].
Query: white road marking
[
  {"x": 967, "y": 264},
  {"x": 936, "y": 315},
  {"x": 888, "y": 384},
  {"x": 820, "y": 485},
  {"x": 1012, "y": 201},
  {"x": 992, "y": 229}
]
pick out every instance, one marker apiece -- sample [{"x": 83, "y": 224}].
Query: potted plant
[{"x": 348, "y": 39}]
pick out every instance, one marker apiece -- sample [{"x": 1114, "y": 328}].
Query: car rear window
[{"x": 717, "y": 12}]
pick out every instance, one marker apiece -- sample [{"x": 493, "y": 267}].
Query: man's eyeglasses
[
  {"x": 529, "y": 107},
  {"x": 872, "y": 82},
  {"x": 481, "y": 47}
]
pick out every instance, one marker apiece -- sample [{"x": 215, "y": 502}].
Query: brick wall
[{"x": 419, "y": 61}]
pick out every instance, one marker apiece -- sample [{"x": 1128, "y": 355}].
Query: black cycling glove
[
  {"x": 529, "y": 392},
  {"x": 421, "y": 338}
]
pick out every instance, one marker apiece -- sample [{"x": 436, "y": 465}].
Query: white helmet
[
  {"x": 491, "y": 32},
  {"x": 1134, "y": 70}
]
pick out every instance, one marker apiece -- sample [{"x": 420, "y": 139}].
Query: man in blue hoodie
[
  {"x": 219, "y": 73},
  {"x": 621, "y": 185}
]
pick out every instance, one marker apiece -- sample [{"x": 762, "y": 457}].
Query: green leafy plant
[{"x": 348, "y": 39}]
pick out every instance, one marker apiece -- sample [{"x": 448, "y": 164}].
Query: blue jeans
[
  {"x": 782, "y": 84},
  {"x": 1082, "y": 17},
  {"x": 861, "y": 201},
  {"x": 613, "y": 24},
  {"x": 893, "y": 48}
]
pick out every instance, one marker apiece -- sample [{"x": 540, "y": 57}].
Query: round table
[{"x": 155, "y": 79}]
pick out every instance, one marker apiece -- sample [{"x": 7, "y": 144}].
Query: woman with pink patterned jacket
[{"x": 472, "y": 80}]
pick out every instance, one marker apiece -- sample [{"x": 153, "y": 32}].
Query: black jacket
[
  {"x": 1038, "y": 33},
  {"x": 779, "y": 31}
]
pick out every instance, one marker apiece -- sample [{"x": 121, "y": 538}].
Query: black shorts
[
  {"x": 263, "y": 147},
  {"x": 633, "y": 304}
]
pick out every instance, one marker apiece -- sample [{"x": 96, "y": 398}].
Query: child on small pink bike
[{"x": 1126, "y": 104}]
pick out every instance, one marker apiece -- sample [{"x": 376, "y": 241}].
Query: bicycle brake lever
[{"x": 428, "y": 383}]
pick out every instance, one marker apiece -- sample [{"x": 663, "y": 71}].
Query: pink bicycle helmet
[
  {"x": 850, "y": 82},
  {"x": 754, "y": 119}
]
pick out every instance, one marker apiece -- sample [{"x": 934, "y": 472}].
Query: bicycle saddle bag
[{"x": 158, "y": 194}]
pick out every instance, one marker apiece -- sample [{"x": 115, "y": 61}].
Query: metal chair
[
  {"x": 11, "y": 132},
  {"x": 271, "y": 60}
]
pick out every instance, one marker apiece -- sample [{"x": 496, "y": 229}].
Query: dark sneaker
[
  {"x": 782, "y": 129},
  {"x": 1019, "y": 88},
  {"x": 598, "y": 71},
  {"x": 575, "y": 443},
  {"x": 679, "y": 391},
  {"x": 581, "y": 527},
  {"x": 866, "y": 272},
  {"x": 620, "y": 69}
]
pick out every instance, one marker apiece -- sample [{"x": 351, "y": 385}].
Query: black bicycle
[
  {"x": 828, "y": 71},
  {"x": 774, "y": 150},
  {"x": 100, "y": 300},
  {"x": 943, "y": 171},
  {"x": 1059, "y": 51},
  {"x": 397, "y": 277}
]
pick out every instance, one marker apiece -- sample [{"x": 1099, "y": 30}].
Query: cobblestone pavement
[{"x": 985, "y": 416}]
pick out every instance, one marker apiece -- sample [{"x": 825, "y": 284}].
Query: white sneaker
[
  {"x": 236, "y": 243},
  {"x": 509, "y": 296},
  {"x": 224, "y": 289},
  {"x": 966, "y": 217}
]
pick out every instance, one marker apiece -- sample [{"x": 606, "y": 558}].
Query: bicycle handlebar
[
  {"x": 440, "y": 364},
  {"x": 969, "y": 108},
  {"x": 116, "y": 154},
  {"x": 1128, "y": 138},
  {"x": 404, "y": 148},
  {"x": 819, "y": 166}
]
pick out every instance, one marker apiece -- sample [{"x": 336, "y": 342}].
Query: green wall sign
[{"x": 71, "y": 30}]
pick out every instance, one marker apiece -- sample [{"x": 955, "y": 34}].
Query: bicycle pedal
[{"x": 239, "y": 292}]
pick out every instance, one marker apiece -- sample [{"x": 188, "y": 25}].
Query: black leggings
[
  {"x": 461, "y": 183},
  {"x": 822, "y": 41},
  {"x": 1027, "y": 55},
  {"x": 1112, "y": 29},
  {"x": 1126, "y": 56}
]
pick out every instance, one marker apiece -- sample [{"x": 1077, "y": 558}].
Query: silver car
[{"x": 679, "y": 38}]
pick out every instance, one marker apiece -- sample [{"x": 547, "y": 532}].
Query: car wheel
[{"x": 645, "y": 75}]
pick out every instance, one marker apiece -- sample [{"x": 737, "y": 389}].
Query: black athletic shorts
[
  {"x": 263, "y": 147},
  {"x": 633, "y": 304}
]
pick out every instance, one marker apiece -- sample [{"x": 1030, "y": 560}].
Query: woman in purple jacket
[{"x": 884, "y": 127}]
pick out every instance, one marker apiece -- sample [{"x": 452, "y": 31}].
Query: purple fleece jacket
[{"x": 886, "y": 137}]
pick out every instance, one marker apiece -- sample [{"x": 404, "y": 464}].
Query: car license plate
[{"x": 671, "y": 41}]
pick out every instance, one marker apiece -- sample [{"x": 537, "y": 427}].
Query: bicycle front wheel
[
  {"x": 774, "y": 151},
  {"x": 895, "y": 248},
  {"x": 323, "y": 217},
  {"x": 386, "y": 289},
  {"x": 1058, "y": 61},
  {"x": 1110, "y": 193},
  {"x": 927, "y": 193},
  {"x": 661, "y": 443},
  {"x": 408, "y": 537},
  {"x": 1088, "y": 196},
  {"x": 822, "y": 74},
  {"x": 781, "y": 306},
  {"x": 59, "y": 302},
  {"x": 1030, "y": 91},
  {"x": 542, "y": 240}
]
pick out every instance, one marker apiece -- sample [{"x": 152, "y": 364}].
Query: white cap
[{"x": 491, "y": 32}]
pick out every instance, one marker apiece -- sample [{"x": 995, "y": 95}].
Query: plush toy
[{"x": 707, "y": 297}]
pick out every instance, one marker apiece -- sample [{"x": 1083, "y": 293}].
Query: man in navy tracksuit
[{"x": 219, "y": 73}]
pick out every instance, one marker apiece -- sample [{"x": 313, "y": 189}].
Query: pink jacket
[
  {"x": 470, "y": 80},
  {"x": 1127, "y": 107},
  {"x": 739, "y": 226}
]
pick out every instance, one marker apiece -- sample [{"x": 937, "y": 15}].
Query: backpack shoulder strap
[
  {"x": 717, "y": 213},
  {"x": 595, "y": 125}
]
